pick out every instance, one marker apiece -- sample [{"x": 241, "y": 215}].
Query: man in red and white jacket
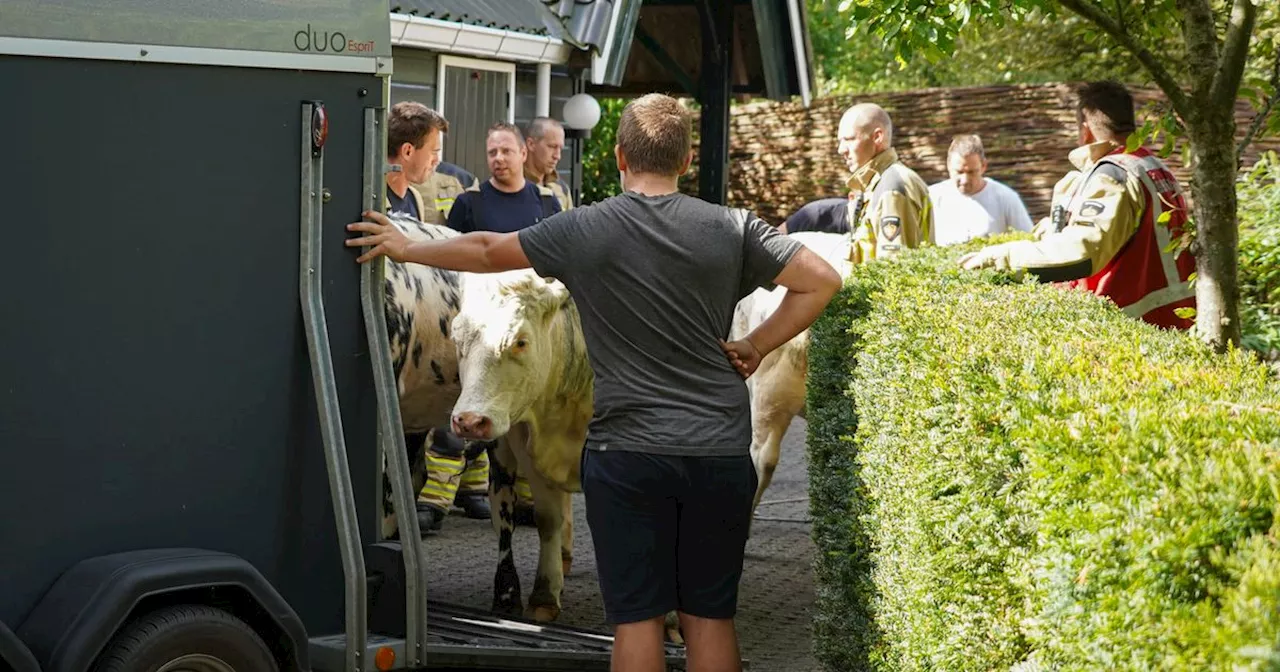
[{"x": 1111, "y": 221}]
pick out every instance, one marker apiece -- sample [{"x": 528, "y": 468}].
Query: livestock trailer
[{"x": 195, "y": 388}]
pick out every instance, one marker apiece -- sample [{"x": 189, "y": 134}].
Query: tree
[
  {"x": 1037, "y": 49},
  {"x": 1196, "y": 51}
]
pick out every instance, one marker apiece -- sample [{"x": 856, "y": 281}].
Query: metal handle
[
  {"x": 390, "y": 427},
  {"x": 335, "y": 450}
]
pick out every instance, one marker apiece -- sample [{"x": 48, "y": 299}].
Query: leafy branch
[
  {"x": 1177, "y": 97},
  {"x": 1263, "y": 113}
]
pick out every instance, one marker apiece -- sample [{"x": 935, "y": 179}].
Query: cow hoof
[{"x": 544, "y": 614}]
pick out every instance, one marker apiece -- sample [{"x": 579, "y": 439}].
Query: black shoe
[
  {"x": 474, "y": 506},
  {"x": 523, "y": 515},
  {"x": 429, "y": 519}
]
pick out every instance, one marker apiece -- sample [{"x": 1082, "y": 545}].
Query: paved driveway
[{"x": 776, "y": 603}]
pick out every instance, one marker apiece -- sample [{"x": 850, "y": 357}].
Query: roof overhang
[
  {"x": 656, "y": 45},
  {"x": 460, "y": 38}
]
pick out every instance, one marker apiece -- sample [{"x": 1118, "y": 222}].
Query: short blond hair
[
  {"x": 655, "y": 134},
  {"x": 964, "y": 145}
]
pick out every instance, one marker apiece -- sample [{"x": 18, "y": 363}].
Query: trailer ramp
[{"x": 464, "y": 638}]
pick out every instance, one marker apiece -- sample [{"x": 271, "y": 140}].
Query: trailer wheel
[{"x": 187, "y": 638}]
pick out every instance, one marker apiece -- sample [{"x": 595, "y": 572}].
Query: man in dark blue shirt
[{"x": 506, "y": 202}]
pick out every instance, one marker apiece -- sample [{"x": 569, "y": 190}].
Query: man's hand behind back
[{"x": 743, "y": 355}]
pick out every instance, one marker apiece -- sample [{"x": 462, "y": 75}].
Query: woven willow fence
[{"x": 783, "y": 155}]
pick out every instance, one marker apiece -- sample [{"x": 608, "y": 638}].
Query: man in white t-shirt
[{"x": 969, "y": 204}]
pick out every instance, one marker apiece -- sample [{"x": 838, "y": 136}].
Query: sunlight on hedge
[{"x": 1008, "y": 475}]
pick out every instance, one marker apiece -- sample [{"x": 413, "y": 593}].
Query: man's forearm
[
  {"x": 468, "y": 252},
  {"x": 795, "y": 313}
]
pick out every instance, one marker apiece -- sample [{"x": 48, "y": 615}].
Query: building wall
[
  {"x": 526, "y": 104},
  {"x": 414, "y": 76}
]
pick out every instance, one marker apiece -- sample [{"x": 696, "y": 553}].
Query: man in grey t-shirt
[{"x": 667, "y": 474}]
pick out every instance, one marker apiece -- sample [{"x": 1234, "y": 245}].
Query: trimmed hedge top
[{"x": 1008, "y": 475}]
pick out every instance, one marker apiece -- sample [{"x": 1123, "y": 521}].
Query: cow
[
  {"x": 420, "y": 304},
  {"x": 777, "y": 388},
  {"x": 527, "y": 382}
]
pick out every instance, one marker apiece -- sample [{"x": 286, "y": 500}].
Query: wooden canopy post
[{"x": 716, "y": 18}]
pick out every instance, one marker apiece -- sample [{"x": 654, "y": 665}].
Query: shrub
[
  {"x": 1012, "y": 476},
  {"x": 1258, "y": 194}
]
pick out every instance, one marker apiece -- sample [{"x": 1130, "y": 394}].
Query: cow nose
[{"x": 472, "y": 426}]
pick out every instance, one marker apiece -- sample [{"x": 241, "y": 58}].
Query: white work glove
[{"x": 992, "y": 256}]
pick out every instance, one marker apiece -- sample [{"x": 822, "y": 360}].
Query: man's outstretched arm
[{"x": 475, "y": 252}]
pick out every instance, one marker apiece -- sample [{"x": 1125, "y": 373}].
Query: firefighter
[
  {"x": 414, "y": 133},
  {"x": 442, "y": 187},
  {"x": 1111, "y": 220},
  {"x": 889, "y": 206},
  {"x": 457, "y": 472},
  {"x": 544, "y": 141}
]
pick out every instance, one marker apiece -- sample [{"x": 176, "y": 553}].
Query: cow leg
[
  {"x": 766, "y": 448},
  {"x": 777, "y": 397},
  {"x": 548, "y": 514},
  {"x": 502, "y": 502},
  {"x": 566, "y": 535},
  {"x": 549, "y": 504}
]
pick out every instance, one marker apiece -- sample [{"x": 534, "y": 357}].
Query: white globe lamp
[{"x": 581, "y": 114}]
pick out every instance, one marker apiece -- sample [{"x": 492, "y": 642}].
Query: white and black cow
[
  {"x": 421, "y": 302},
  {"x": 777, "y": 387},
  {"x": 527, "y": 382}
]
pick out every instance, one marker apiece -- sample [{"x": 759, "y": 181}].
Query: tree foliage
[
  {"x": 1038, "y": 49},
  {"x": 599, "y": 167}
]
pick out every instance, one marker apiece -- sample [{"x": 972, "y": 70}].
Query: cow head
[{"x": 511, "y": 333}]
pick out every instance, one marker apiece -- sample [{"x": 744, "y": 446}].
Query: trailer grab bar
[
  {"x": 390, "y": 427},
  {"x": 335, "y": 450}
]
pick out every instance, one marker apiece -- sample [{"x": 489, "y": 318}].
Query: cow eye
[{"x": 521, "y": 343}]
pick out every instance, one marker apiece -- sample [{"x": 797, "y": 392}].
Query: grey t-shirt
[{"x": 656, "y": 280}]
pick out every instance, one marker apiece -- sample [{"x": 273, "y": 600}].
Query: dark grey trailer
[{"x": 195, "y": 391}]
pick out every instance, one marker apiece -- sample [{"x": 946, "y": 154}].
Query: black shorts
[{"x": 669, "y": 532}]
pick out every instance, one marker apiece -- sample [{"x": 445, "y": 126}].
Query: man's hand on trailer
[
  {"x": 474, "y": 252},
  {"x": 384, "y": 239}
]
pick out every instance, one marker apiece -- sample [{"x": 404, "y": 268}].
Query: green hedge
[{"x": 1011, "y": 476}]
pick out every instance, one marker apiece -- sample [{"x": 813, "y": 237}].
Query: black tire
[{"x": 167, "y": 635}]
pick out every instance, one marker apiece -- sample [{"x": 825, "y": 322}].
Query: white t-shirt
[{"x": 959, "y": 217}]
